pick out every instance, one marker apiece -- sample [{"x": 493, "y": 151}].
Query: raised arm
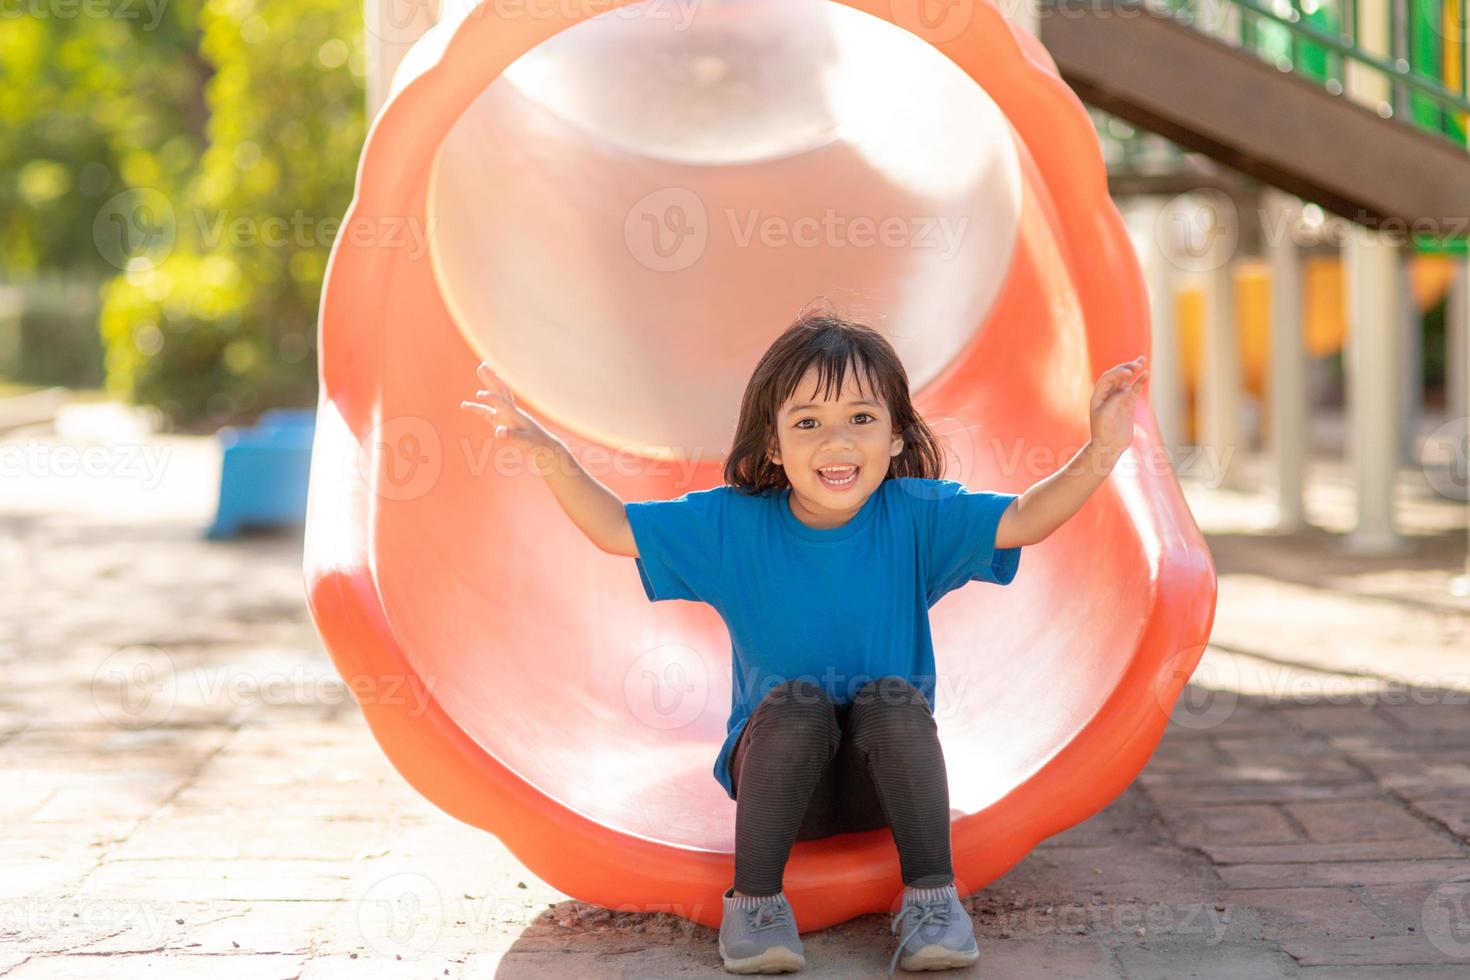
[
  {"x": 1047, "y": 504},
  {"x": 595, "y": 509}
]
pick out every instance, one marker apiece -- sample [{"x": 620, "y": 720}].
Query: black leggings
[{"x": 812, "y": 768}]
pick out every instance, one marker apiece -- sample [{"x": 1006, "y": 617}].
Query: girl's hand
[
  {"x": 1112, "y": 406},
  {"x": 497, "y": 405}
]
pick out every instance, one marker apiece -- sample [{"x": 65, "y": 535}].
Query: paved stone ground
[{"x": 1307, "y": 814}]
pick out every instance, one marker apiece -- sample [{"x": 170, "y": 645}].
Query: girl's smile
[{"x": 839, "y": 478}]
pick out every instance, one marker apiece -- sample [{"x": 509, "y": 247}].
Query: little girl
[{"x": 832, "y": 537}]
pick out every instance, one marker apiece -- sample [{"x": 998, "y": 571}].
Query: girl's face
[{"x": 835, "y": 452}]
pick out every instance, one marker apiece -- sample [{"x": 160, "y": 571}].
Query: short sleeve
[
  {"x": 957, "y": 529},
  {"x": 680, "y": 544}
]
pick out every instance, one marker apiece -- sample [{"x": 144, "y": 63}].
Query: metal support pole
[
  {"x": 1460, "y": 429},
  {"x": 1220, "y": 382},
  {"x": 1288, "y": 367},
  {"x": 1374, "y": 349},
  {"x": 1146, "y": 217},
  {"x": 1411, "y": 364}
]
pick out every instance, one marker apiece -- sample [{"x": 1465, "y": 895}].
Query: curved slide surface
[{"x": 621, "y": 221}]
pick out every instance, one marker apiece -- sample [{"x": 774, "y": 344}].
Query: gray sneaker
[
  {"x": 937, "y": 932},
  {"x": 759, "y": 935}
]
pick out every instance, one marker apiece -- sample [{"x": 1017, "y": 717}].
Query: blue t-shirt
[{"x": 838, "y": 606}]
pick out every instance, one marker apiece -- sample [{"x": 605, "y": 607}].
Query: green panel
[
  {"x": 1430, "y": 245},
  {"x": 1425, "y": 56},
  {"x": 1312, "y": 59}
]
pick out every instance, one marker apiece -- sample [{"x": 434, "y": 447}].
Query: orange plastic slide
[{"x": 621, "y": 221}]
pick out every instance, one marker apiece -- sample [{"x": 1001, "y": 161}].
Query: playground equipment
[
  {"x": 263, "y": 472},
  {"x": 1325, "y": 326},
  {"x": 515, "y": 674}
]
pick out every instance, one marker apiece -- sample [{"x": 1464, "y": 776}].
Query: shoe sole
[
  {"x": 777, "y": 959},
  {"x": 936, "y": 957}
]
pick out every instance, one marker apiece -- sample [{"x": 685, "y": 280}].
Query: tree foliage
[{"x": 197, "y": 159}]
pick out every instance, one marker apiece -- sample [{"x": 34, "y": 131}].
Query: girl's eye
[{"x": 859, "y": 415}]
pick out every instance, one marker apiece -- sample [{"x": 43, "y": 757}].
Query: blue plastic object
[{"x": 264, "y": 472}]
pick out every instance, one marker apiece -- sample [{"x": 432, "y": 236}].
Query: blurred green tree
[
  {"x": 93, "y": 99},
  {"x": 183, "y": 167},
  {"x": 213, "y": 317}
]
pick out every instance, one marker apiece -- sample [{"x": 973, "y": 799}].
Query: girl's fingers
[
  {"x": 485, "y": 411},
  {"x": 492, "y": 380},
  {"x": 480, "y": 403}
]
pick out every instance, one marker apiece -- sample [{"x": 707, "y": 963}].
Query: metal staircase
[{"x": 1292, "y": 93}]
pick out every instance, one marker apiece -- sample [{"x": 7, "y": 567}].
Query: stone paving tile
[
  {"x": 78, "y": 839},
  {"x": 1453, "y": 813},
  {"x": 1131, "y": 818},
  {"x": 1449, "y": 714},
  {"x": 101, "y": 795},
  {"x": 1258, "y": 751},
  {"x": 1282, "y": 791},
  {"x": 1228, "y": 961},
  {"x": 1307, "y": 853},
  {"x": 1418, "y": 774},
  {"x": 1333, "y": 719},
  {"x": 1256, "y": 823},
  {"x": 1185, "y": 755},
  {"x": 116, "y": 926},
  {"x": 214, "y": 836},
  {"x": 109, "y": 747},
  {"x": 1317, "y": 913},
  {"x": 1223, "y": 715},
  {"x": 1339, "y": 971},
  {"x": 345, "y": 967},
  {"x": 1286, "y": 769},
  {"x": 1432, "y": 907},
  {"x": 1383, "y": 950},
  {"x": 157, "y": 967},
  {"x": 1350, "y": 821},
  {"x": 1043, "y": 958},
  {"x": 24, "y": 878},
  {"x": 1153, "y": 873},
  {"x": 203, "y": 880},
  {"x": 1341, "y": 873}
]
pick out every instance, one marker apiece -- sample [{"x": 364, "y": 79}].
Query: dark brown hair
[{"x": 834, "y": 344}]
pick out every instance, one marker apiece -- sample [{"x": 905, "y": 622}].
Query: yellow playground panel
[{"x": 1324, "y": 316}]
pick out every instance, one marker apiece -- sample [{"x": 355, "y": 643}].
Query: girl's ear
[{"x": 897, "y": 448}]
